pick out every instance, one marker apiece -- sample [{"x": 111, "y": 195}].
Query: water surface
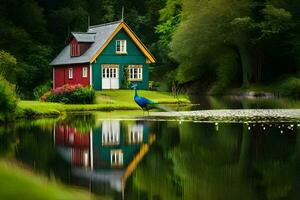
[{"x": 117, "y": 158}]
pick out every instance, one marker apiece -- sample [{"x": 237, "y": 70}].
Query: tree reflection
[{"x": 233, "y": 161}]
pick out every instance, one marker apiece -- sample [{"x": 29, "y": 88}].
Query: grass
[
  {"x": 107, "y": 100},
  {"x": 17, "y": 183}
]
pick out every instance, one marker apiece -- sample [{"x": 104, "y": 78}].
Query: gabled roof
[
  {"x": 102, "y": 34},
  {"x": 84, "y": 37}
]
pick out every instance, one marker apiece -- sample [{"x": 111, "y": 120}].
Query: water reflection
[
  {"x": 106, "y": 154},
  {"x": 136, "y": 159}
]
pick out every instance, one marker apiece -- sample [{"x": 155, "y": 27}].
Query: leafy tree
[
  {"x": 8, "y": 100},
  {"x": 8, "y": 66},
  {"x": 209, "y": 27}
]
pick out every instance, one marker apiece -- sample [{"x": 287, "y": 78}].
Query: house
[
  {"x": 107, "y": 154},
  {"x": 105, "y": 57}
]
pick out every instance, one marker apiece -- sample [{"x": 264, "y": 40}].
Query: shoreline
[{"x": 232, "y": 115}]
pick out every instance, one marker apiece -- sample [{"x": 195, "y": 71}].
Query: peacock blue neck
[{"x": 135, "y": 92}]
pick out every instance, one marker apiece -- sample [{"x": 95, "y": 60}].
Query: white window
[
  {"x": 110, "y": 71},
  {"x": 70, "y": 73},
  {"x": 135, "y": 72},
  {"x": 121, "y": 46},
  {"x": 85, "y": 158},
  {"x": 110, "y": 132},
  {"x": 135, "y": 134},
  {"x": 116, "y": 157},
  {"x": 84, "y": 72}
]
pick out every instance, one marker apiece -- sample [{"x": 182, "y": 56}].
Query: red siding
[
  {"x": 75, "y": 48},
  {"x": 61, "y": 75},
  {"x": 78, "y": 157},
  {"x": 78, "y": 143},
  {"x": 78, "y": 48},
  {"x": 67, "y": 136}
]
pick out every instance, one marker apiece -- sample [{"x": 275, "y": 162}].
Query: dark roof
[{"x": 99, "y": 34}]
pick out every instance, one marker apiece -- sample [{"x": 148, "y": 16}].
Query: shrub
[
  {"x": 290, "y": 87},
  {"x": 42, "y": 89},
  {"x": 8, "y": 100},
  {"x": 70, "y": 94}
]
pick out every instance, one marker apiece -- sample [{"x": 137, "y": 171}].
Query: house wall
[
  {"x": 134, "y": 56},
  {"x": 102, "y": 157},
  {"x": 64, "y": 132},
  {"x": 76, "y": 51},
  {"x": 61, "y": 75},
  {"x": 83, "y": 46}
]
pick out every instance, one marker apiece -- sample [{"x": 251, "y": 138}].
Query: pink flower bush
[
  {"x": 66, "y": 89},
  {"x": 70, "y": 94}
]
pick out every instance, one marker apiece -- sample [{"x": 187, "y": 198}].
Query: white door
[{"x": 110, "y": 77}]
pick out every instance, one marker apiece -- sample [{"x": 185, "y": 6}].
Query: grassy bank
[
  {"x": 107, "y": 100},
  {"x": 17, "y": 183}
]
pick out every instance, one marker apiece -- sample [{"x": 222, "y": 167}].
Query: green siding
[
  {"x": 102, "y": 153},
  {"x": 109, "y": 56}
]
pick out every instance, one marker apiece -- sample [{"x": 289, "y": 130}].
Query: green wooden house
[
  {"x": 108, "y": 153},
  {"x": 107, "y": 56}
]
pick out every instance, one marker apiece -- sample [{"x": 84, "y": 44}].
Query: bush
[
  {"x": 70, "y": 94},
  {"x": 42, "y": 89},
  {"x": 8, "y": 100},
  {"x": 290, "y": 87}
]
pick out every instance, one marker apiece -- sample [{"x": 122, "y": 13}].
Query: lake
[{"x": 117, "y": 157}]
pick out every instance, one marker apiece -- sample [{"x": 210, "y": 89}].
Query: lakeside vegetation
[
  {"x": 107, "y": 100},
  {"x": 20, "y": 183}
]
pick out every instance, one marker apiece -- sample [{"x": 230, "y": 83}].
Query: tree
[
  {"x": 209, "y": 27},
  {"x": 8, "y": 67}
]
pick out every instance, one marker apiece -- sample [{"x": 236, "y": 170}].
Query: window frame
[
  {"x": 135, "y": 134},
  {"x": 110, "y": 69},
  {"x": 135, "y": 72},
  {"x": 122, "y": 46},
  {"x": 116, "y": 158},
  {"x": 70, "y": 72},
  {"x": 84, "y": 72}
]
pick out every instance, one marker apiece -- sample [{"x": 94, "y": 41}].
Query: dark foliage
[
  {"x": 8, "y": 100},
  {"x": 237, "y": 42}
]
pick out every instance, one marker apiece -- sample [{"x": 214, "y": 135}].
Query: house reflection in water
[{"x": 105, "y": 156}]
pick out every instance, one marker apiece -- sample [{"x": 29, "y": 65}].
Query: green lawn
[
  {"x": 17, "y": 183},
  {"x": 107, "y": 100}
]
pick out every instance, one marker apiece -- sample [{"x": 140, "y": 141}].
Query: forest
[{"x": 208, "y": 46}]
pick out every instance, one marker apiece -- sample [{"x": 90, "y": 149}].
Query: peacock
[{"x": 145, "y": 103}]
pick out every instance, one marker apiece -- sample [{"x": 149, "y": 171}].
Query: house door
[{"x": 110, "y": 76}]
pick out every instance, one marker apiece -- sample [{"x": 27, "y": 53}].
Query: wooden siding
[
  {"x": 61, "y": 74},
  {"x": 81, "y": 47},
  {"x": 68, "y": 136},
  {"x": 134, "y": 56},
  {"x": 102, "y": 157},
  {"x": 75, "y": 48}
]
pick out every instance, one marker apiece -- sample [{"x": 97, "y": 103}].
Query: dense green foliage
[
  {"x": 223, "y": 43},
  {"x": 262, "y": 38},
  {"x": 40, "y": 90},
  {"x": 70, "y": 94},
  {"x": 8, "y": 100}
]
